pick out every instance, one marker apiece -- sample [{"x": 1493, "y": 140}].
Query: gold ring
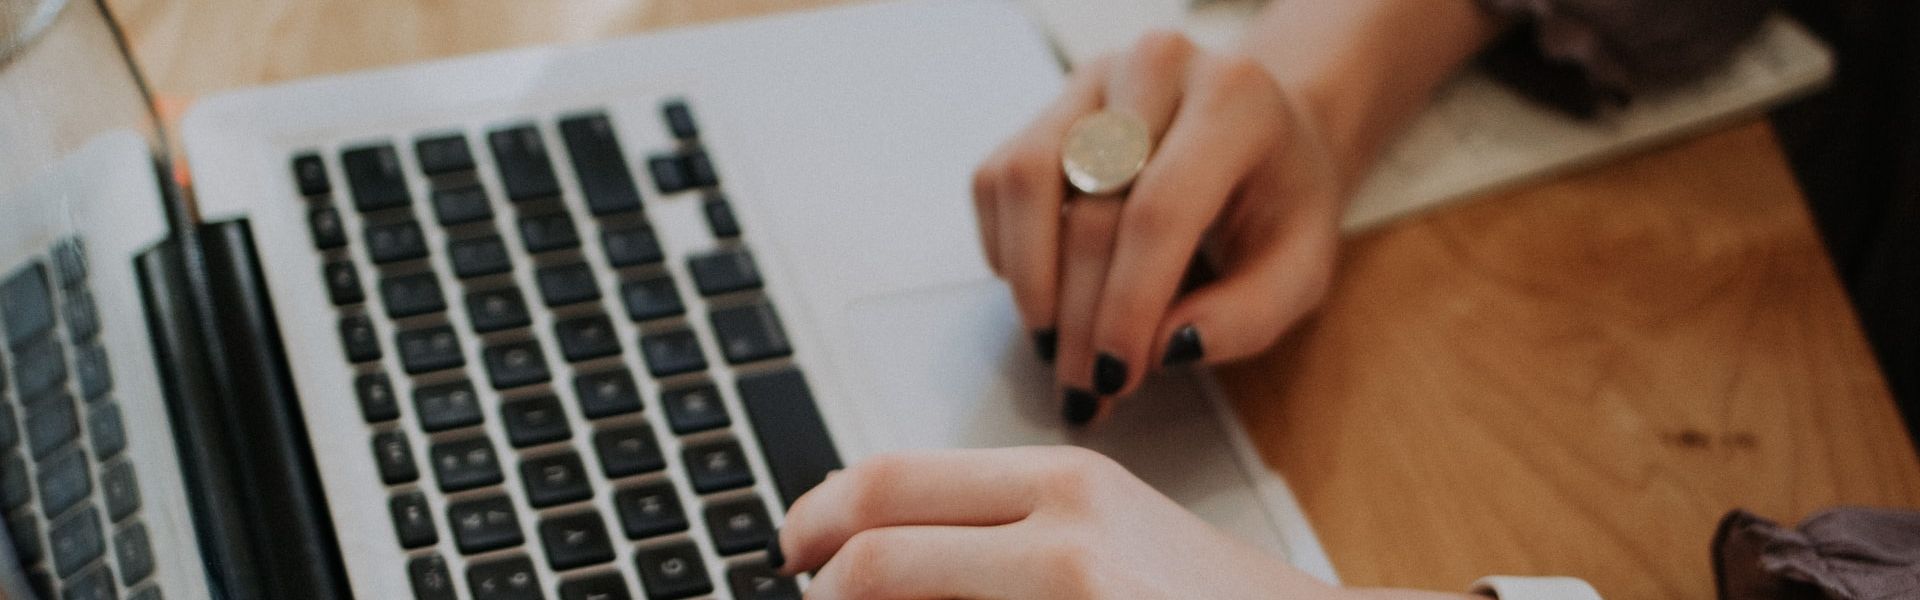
[{"x": 1104, "y": 151}]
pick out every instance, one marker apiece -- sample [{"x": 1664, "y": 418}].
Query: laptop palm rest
[{"x": 949, "y": 367}]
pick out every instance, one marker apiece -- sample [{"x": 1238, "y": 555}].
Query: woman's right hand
[{"x": 1237, "y": 170}]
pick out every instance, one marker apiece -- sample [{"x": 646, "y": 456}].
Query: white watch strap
[{"x": 1535, "y": 588}]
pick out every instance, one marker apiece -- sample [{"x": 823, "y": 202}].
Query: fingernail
[
  {"x": 1109, "y": 374},
  {"x": 1183, "y": 348},
  {"x": 774, "y": 558},
  {"x": 1079, "y": 406},
  {"x": 1046, "y": 342}
]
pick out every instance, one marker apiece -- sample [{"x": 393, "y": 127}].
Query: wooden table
[{"x": 1577, "y": 377}]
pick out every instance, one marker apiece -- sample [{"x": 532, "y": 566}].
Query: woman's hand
[
  {"x": 1054, "y": 522},
  {"x": 1236, "y": 171}
]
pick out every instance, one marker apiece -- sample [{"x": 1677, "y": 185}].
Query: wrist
[{"x": 1359, "y": 70}]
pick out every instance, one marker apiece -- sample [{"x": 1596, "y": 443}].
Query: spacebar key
[{"x": 799, "y": 454}]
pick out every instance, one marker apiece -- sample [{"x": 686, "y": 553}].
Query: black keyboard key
[
  {"x": 586, "y": 338},
  {"x": 395, "y": 242},
  {"x": 412, "y": 295},
  {"x": 75, "y": 541},
  {"x": 631, "y": 246},
  {"x": 83, "y": 320},
  {"x": 601, "y": 165},
  {"x": 606, "y": 393},
  {"x": 516, "y": 364},
  {"x": 24, "y": 527},
  {"x": 151, "y": 592},
  {"x": 524, "y": 167},
  {"x": 39, "y": 367},
  {"x": 650, "y": 510},
  {"x": 64, "y": 480},
  {"x": 534, "y": 421},
  {"x": 679, "y": 120},
  {"x": 120, "y": 489},
  {"x": 357, "y": 335},
  {"x": 784, "y": 417},
  {"x": 15, "y": 489},
  {"x": 445, "y": 406},
  {"x": 461, "y": 205},
  {"x": 555, "y": 480},
  {"x": 95, "y": 584},
  {"x": 430, "y": 349},
  {"x": 673, "y": 571},
  {"x": 374, "y": 176},
  {"x": 479, "y": 257},
  {"x": 464, "y": 464},
  {"x": 716, "y": 466},
  {"x": 311, "y": 175},
  {"x": 628, "y": 451},
  {"x": 669, "y": 173},
  {"x": 328, "y": 231},
  {"x": 504, "y": 579},
  {"x": 91, "y": 369},
  {"x": 430, "y": 578},
  {"x": 739, "y": 525},
  {"x": 699, "y": 168},
  {"x": 652, "y": 297},
  {"x": 694, "y": 408},
  {"x": 484, "y": 524},
  {"x": 103, "y": 424},
  {"x": 377, "y": 403},
  {"x": 548, "y": 232},
  {"x": 343, "y": 283},
  {"x": 394, "y": 457},
  {"x": 671, "y": 353},
  {"x": 750, "y": 333},
  {"x": 413, "y": 520},
  {"x": 723, "y": 272},
  {"x": 575, "y": 541},
  {"x": 26, "y": 304},
  {"x": 135, "y": 554},
  {"x": 496, "y": 310},
  {"x": 604, "y": 586},
  {"x": 720, "y": 217},
  {"x": 568, "y": 284},
  {"x": 69, "y": 262},
  {"x": 443, "y": 154},
  {"x": 51, "y": 421},
  {"x": 757, "y": 581}
]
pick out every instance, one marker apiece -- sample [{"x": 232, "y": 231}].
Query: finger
[
  {"x": 986, "y": 181},
  {"x": 1086, "y": 249},
  {"x": 1243, "y": 313},
  {"x": 1030, "y": 190},
  {"x": 1148, "y": 81},
  {"x": 915, "y": 562},
  {"x": 1223, "y": 129},
  {"x": 957, "y": 487}
]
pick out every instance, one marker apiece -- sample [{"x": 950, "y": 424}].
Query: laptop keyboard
[
  {"x": 506, "y": 311},
  {"x": 71, "y": 500}
]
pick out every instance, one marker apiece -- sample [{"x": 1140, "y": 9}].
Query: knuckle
[
  {"x": 1071, "y": 561},
  {"x": 1028, "y": 172},
  {"x": 1233, "y": 78},
  {"x": 1161, "y": 49},
  {"x": 985, "y": 178},
  {"x": 1075, "y": 477},
  {"x": 861, "y": 560},
  {"x": 867, "y": 485}
]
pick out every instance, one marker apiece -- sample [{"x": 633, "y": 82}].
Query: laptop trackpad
[{"x": 950, "y": 367}]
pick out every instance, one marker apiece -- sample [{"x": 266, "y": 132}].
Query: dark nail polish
[
  {"x": 1079, "y": 406},
  {"x": 1183, "y": 348},
  {"x": 1109, "y": 374},
  {"x": 1046, "y": 342},
  {"x": 775, "y": 559}
]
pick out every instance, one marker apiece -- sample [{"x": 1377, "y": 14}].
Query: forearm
[{"x": 1361, "y": 69}]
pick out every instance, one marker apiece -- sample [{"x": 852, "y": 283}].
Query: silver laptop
[{"x": 573, "y": 322}]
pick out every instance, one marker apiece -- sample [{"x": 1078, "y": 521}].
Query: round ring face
[{"x": 1104, "y": 151}]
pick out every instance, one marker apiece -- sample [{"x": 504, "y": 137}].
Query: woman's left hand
[{"x": 1056, "y": 522}]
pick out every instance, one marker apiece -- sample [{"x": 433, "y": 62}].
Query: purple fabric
[
  {"x": 1614, "y": 48},
  {"x": 1839, "y": 554}
]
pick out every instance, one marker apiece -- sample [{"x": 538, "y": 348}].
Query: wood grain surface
[{"x": 1577, "y": 377}]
